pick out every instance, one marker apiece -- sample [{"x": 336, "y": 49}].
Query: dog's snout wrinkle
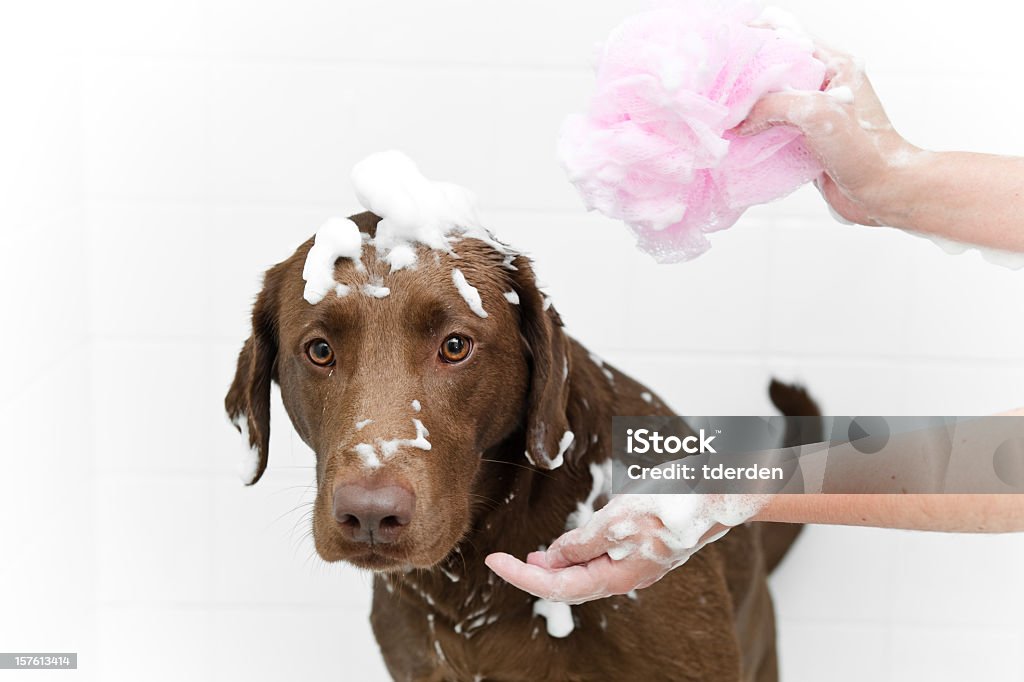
[{"x": 376, "y": 515}]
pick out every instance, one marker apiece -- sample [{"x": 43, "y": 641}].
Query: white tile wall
[{"x": 161, "y": 155}]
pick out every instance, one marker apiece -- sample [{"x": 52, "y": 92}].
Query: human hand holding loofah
[
  {"x": 657, "y": 147},
  {"x": 847, "y": 129},
  {"x": 873, "y": 176}
]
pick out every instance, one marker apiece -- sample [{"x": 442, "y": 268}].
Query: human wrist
[
  {"x": 778, "y": 508},
  {"x": 907, "y": 184}
]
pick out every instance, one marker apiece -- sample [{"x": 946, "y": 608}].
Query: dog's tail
[{"x": 792, "y": 401}]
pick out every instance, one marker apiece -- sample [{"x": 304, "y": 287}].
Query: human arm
[
  {"x": 875, "y": 177},
  {"x": 578, "y": 566},
  {"x": 637, "y": 538},
  {"x": 939, "y": 512}
]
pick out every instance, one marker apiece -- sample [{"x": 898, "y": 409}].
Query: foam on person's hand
[
  {"x": 656, "y": 147},
  {"x": 684, "y": 524}
]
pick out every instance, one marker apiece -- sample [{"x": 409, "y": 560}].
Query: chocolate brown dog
[{"x": 437, "y": 431}]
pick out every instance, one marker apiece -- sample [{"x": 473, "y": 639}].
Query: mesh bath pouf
[{"x": 655, "y": 149}]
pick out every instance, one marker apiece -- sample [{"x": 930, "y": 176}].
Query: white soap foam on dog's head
[
  {"x": 469, "y": 293},
  {"x": 412, "y": 208},
  {"x": 336, "y": 238},
  {"x": 413, "y": 211}
]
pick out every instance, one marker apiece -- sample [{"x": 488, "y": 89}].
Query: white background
[{"x": 156, "y": 157}]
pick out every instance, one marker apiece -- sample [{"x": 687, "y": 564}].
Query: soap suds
[
  {"x": 601, "y": 477},
  {"x": 376, "y": 290},
  {"x": 412, "y": 208},
  {"x": 249, "y": 464},
  {"x": 563, "y": 446},
  {"x": 400, "y": 257},
  {"x": 782, "y": 21},
  {"x": 1006, "y": 259},
  {"x": 540, "y": 447},
  {"x": 842, "y": 94},
  {"x": 686, "y": 519},
  {"x": 368, "y": 454},
  {"x": 621, "y": 530},
  {"x": 416, "y": 406},
  {"x": 373, "y": 454},
  {"x": 336, "y": 238},
  {"x": 512, "y": 297},
  {"x": 390, "y": 447},
  {"x": 647, "y": 397},
  {"x": 661, "y": 528},
  {"x": 360, "y": 425},
  {"x": 558, "y": 616},
  {"x": 468, "y": 292}
]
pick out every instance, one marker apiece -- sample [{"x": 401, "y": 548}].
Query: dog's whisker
[
  {"x": 294, "y": 509},
  {"x": 304, "y": 519},
  {"x": 517, "y": 464},
  {"x": 484, "y": 503},
  {"x": 491, "y": 504},
  {"x": 300, "y": 486}
]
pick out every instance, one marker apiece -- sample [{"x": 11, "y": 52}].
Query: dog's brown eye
[
  {"x": 320, "y": 352},
  {"x": 455, "y": 348}
]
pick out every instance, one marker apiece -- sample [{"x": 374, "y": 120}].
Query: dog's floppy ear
[
  {"x": 248, "y": 400},
  {"x": 548, "y": 436}
]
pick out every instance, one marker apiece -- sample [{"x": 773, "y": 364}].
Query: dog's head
[{"x": 401, "y": 393}]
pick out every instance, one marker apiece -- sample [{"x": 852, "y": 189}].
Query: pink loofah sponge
[{"x": 656, "y": 149}]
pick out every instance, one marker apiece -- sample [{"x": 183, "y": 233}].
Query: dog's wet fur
[{"x": 438, "y": 612}]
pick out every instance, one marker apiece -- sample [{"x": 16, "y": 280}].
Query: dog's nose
[{"x": 373, "y": 514}]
